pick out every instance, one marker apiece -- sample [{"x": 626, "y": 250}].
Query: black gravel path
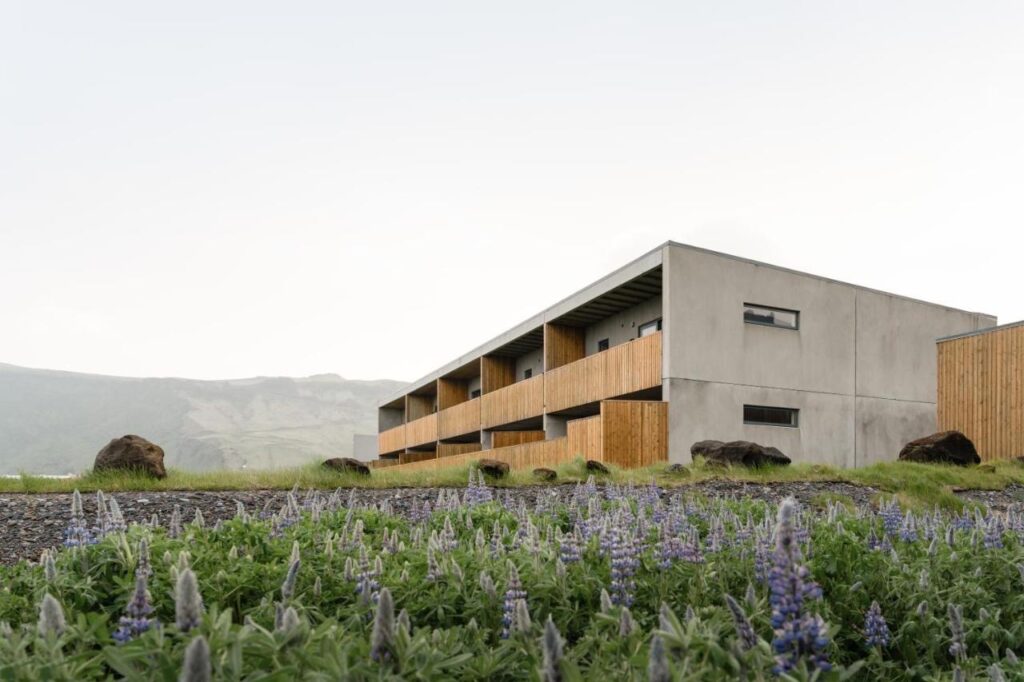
[{"x": 30, "y": 523}]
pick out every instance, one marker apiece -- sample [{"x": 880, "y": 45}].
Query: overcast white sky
[{"x": 214, "y": 189}]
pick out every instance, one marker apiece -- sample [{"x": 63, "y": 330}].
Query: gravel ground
[{"x": 30, "y": 523}]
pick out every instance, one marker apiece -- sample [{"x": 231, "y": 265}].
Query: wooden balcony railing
[
  {"x": 460, "y": 419},
  {"x": 620, "y": 370},
  {"x": 391, "y": 440},
  {"x": 521, "y": 400},
  {"x": 421, "y": 431}
]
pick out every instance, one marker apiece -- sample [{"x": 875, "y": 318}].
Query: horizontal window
[
  {"x": 475, "y": 393},
  {"x": 772, "y": 317},
  {"x": 771, "y": 416},
  {"x": 649, "y": 328}
]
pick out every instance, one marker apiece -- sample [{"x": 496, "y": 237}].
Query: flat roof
[
  {"x": 631, "y": 270},
  {"x": 980, "y": 332}
]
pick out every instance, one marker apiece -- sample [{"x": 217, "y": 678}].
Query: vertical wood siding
[
  {"x": 563, "y": 345},
  {"x": 526, "y": 456},
  {"x": 452, "y": 449},
  {"x": 417, "y": 406},
  {"x": 521, "y": 400},
  {"x": 391, "y": 440},
  {"x": 620, "y": 370},
  {"x": 502, "y": 439},
  {"x": 981, "y": 390},
  {"x": 451, "y": 392},
  {"x": 421, "y": 431},
  {"x": 634, "y": 432},
  {"x": 585, "y": 438},
  {"x": 459, "y": 420},
  {"x": 496, "y": 373}
]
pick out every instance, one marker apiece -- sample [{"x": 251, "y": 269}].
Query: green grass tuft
[{"x": 915, "y": 485}]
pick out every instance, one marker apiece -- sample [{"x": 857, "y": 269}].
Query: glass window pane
[{"x": 774, "y": 317}]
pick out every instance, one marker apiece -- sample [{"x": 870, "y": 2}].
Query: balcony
[
  {"x": 460, "y": 419},
  {"x": 421, "y": 431},
  {"x": 621, "y": 370},
  {"x": 513, "y": 403},
  {"x": 391, "y": 440}
]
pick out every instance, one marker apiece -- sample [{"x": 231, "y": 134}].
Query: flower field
[{"x": 609, "y": 582}]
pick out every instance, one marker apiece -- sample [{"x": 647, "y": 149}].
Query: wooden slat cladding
[
  {"x": 407, "y": 457},
  {"x": 545, "y": 453},
  {"x": 521, "y": 400},
  {"x": 391, "y": 440},
  {"x": 503, "y": 439},
  {"x": 459, "y": 420},
  {"x": 496, "y": 373},
  {"x": 634, "y": 433},
  {"x": 620, "y": 370},
  {"x": 563, "y": 345},
  {"x": 452, "y": 449},
  {"x": 421, "y": 431},
  {"x": 451, "y": 392},
  {"x": 417, "y": 406},
  {"x": 585, "y": 438},
  {"x": 981, "y": 390}
]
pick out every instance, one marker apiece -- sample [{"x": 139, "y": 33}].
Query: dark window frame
[
  {"x": 792, "y": 411},
  {"x": 640, "y": 330},
  {"x": 475, "y": 393},
  {"x": 774, "y": 309},
  {"x": 602, "y": 345},
  {"x": 527, "y": 373}
]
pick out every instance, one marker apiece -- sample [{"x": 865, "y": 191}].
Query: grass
[{"x": 916, "y": 485}]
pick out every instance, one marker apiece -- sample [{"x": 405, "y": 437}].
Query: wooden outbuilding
[{"x": 981, "y": 389}]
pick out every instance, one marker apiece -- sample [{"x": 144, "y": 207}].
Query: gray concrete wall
[
  {"x": 623, "y": 326},
  {"x": 364, "y": 446},
  {"x": 861, "y": 368},
  {"x": 702, "y": 410},
  {"x": 389, "y": 418},
  {"x": 533, "y": 360}
]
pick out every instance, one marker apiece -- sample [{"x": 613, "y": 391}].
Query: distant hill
[{"x": 55, "y": 422}]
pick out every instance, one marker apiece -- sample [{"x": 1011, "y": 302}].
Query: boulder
[
  {"x": 545, "y": 474},
  {"x": 738, "y": 453},
  {"x": 702, "y": 447},
  {"x": 347, "y": 465},
  {"x": 597, "y": 467},
  {"x": 947, "y": 447},
  {"x": 131, "y": 453},
  {"x": 493, "y": 468}
]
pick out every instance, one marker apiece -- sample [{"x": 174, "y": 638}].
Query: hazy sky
[{"x": 214, "y": 189}]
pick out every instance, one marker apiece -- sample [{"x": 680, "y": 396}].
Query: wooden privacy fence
[
  {"x": 627, "y": 433},
  {"x": 981, "y": 390}
]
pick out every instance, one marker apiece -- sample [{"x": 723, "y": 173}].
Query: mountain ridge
[{"x": 55, "y": 421}]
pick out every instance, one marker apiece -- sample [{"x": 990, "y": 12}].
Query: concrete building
[{"x": 685, "y": 344}]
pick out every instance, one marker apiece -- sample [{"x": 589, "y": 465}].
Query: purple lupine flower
[
  {"x": 993, "y": 533},
  {"x": 958, "y": 644},
  {"x": 692, "y": 548},
  {"x": 876, "y": 630},
  {"x": 623, "y": 557},
  {"x": 670, "y": 548},
  {"x": 569, "y": 547},
  {"x": 892, "y": 518},
  {"x": 136, "y": 618},
  {"x": 514, "y": 592},
  {"x": 744, "y": 629},
  {"x": 77, "y": 534},
  {"x": 799, "y": 635},
  {"x": 908, "y": 530}
]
